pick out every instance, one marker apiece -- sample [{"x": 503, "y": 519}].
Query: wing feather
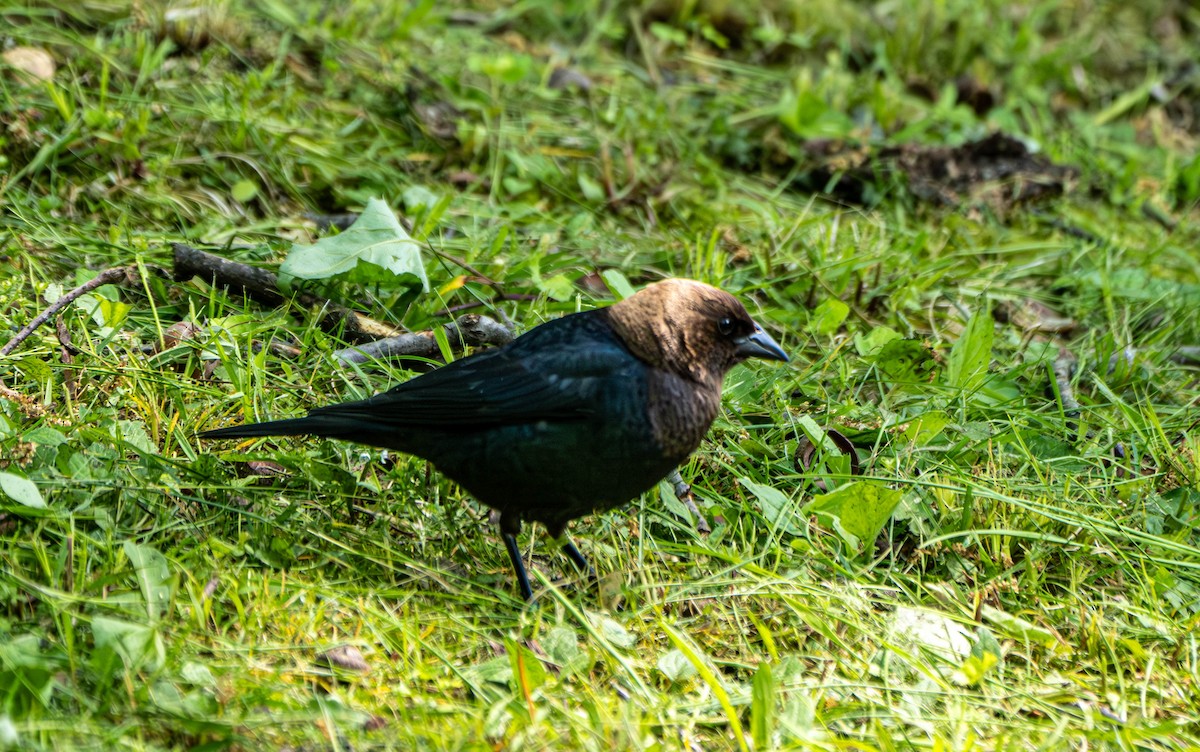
[{"x": 555, "y": 376}]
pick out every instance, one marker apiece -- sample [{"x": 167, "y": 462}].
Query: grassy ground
[{"x": 1037, "y": 586}]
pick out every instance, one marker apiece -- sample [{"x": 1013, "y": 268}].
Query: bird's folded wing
[{"x": 497, "y": 388}]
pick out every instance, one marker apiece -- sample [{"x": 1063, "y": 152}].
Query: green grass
[{"x": 1037, "y": 587}]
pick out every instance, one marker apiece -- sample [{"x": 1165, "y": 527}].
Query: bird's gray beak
[{"x": 760, "y": 345}]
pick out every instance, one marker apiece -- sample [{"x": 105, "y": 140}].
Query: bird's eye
[{"x": 725, "y": 326}]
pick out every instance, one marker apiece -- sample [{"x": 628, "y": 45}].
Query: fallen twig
[
  {"x": 106, "y": 277},
  {"x": 477, "y": 303},
  {"x": 1155, "y": 214},
  {"x": 326, "y": 221},
  {"x": 471, "y": 329},
  {"x": 1187, "y": 355},
  {"x": 263, "y": 286},
  {"x": 478, "y": 275},
  {"x": 1073, "y": 230},
  {"x": 67, "y": 355}
]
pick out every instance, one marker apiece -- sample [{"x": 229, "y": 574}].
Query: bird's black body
[{"x": 566, "y": 420}]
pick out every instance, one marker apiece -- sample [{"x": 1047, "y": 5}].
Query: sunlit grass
[{"x": 1036, "y": 587}]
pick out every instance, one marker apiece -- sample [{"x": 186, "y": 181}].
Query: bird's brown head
[{"x": 691, "y": 328}]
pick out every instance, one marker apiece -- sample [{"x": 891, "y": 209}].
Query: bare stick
[
  {"x": 106, "y": 277},
  {"x": 67, "y": 355},
  {"x": 477, "y": 303},
  {"x": 483, "y": 278},
  {"x": 263, "y": 286},
  {"x": 1188, "y": 355},
  {"x": 471, "y": 329}
]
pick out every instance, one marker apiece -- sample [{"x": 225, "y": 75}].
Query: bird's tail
[{"x": 327, "y": 426}]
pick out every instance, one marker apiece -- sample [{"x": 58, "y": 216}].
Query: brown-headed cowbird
[{"x": 579, "y": 415}]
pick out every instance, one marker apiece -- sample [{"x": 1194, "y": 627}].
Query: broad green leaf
[
  {"x": 828, "y": 316},
  {"x": 134, "y": 433},
  {"x": 969, "y": 358},
  {"x": 612, "y": 631},
  {"x": 762, "y": 706},
  {"x": 975, "y": 430},
  {"x": 243, "y": 191},
  {"x": 858, "y": 511},
  {"x": 926, "y": 427},
  {"x": 669, "y": 34},
  {"x": 505, "y": 68},
  {"x": 671, "y": 502},
  {"x": 153, "y": 577},
  {"x": 985, "y": 642},
  {"x": 497, "y": 670},
  {"x": 931, "y": 630},
  {"x": 53, "y": 292},
  {"x": 169, "y": 699},
  {"x": 21, "y": 490},
  {"x": 24, "y": 663},
  {"x": 515, "y": 186},
  {"x": 558, "y": 287},
  {"x": 1020, "y": 629},
  {"x": 128, "y": 640},
  {"x": 36, "y": 369},
  {"x": 816, "y": 434},
  {"x": 997, "y": 390},
  {"x": 417, "y": 196},
  {"x": 905, "y": 361},
  {"x": 562, "y": 645},
  {"x": 808, "y": 115},
  {"x": 718, "y": 39},
  {"x": 617, "y": 282},
  {"x": 198, "y": 674},
  {"x": 108, "y": 292},
  {"x": 779, "y": 510},
  {"x": 592, "y": 190},
  {"x": 376, "y": 249},
  {"x": 22, "y": 651},
  {"x": 828, "y": 460},
  {"x": 103, "y": 311},
  {"x": 873, "y": 341},
  {"x": 674, "y": 665},
  {"x": 974, "y": 668},
  {"x": 44, "y": 435},
  {"x": 527, "y": 668}
]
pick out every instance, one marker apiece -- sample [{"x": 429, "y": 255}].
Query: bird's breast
[{"x": 681, "y": 412}]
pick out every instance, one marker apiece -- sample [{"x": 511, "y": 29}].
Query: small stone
[
  {"x": 345, "y": 657},
  {"x": 34, "y": 62}
]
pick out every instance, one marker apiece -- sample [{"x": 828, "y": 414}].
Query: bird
[{"x": 579, "y": 415}]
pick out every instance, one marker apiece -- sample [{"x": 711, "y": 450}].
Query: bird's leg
[
  {"x": 573, "y": 553},
  {"x": 510, "y": 526}
]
